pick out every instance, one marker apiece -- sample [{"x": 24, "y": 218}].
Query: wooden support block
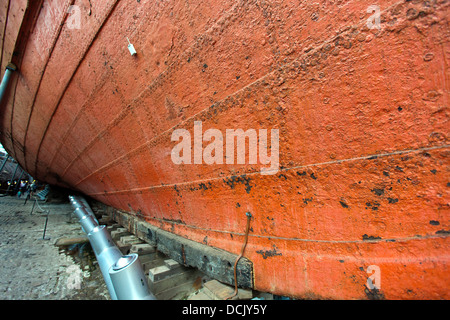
[
  {"x": 159, "y": 273},
  {"x": 119, "y": 232},
  {"x": 179, "y": 292},
  {"x": 189, "y": 276},
  {"x": 112, "y": 227},
  {"x": 219, "y": 291},
  {"x": 62, "y": 242},
  {"x": 153, "y": 263},
  {"x": 172, "y": 264},
  {"x": 142, "y": 249},
  {"x": 130, "y": 239},
  {"x": 165, "y": 271},
  {"x": 124, "y": 248}
]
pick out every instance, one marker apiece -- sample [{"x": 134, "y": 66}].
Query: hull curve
[{"x": 361, "y": 190}]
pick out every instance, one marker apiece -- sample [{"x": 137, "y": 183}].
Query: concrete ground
[{"x": 32, "y": 268}]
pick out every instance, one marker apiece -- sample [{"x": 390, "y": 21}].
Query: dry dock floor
[{"x": 33, "y": 268}]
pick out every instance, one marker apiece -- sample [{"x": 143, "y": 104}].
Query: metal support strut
[{"x": 123, "y": 275}]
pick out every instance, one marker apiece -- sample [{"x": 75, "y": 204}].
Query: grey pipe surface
[
  {"x": 82, "y": 206},
  {"x": 106, "y": 253},
  {"x": 129, "y": 278},
  {"x": 88, "y": 224},
  {"x": 10, "y": 68},
  {"x": 101, "y": 242}
]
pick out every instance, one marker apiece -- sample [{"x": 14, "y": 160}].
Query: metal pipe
[
  {"x": 87, "y": 221},
  {"x": 106, "y": 253},
  {"x": 82, "y": 202},
  {"x": 88, "y": 224},
  {"x": 80, "y": 213},
  {"x": 10, "y": 68},
  {"x": 128, "y": 279},
  {"x": 102, "y": 244},
  {"x": 82, "y": 206},
  {"x": 101, "y": 239}
]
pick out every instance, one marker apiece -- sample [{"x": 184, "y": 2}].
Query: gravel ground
[{"x": 33, "y": 268}]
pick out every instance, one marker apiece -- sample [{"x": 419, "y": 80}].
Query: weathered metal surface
[{"x": 362, "y": 114}]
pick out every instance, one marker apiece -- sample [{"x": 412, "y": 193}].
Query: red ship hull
[{"x": 362, "y": 188}]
